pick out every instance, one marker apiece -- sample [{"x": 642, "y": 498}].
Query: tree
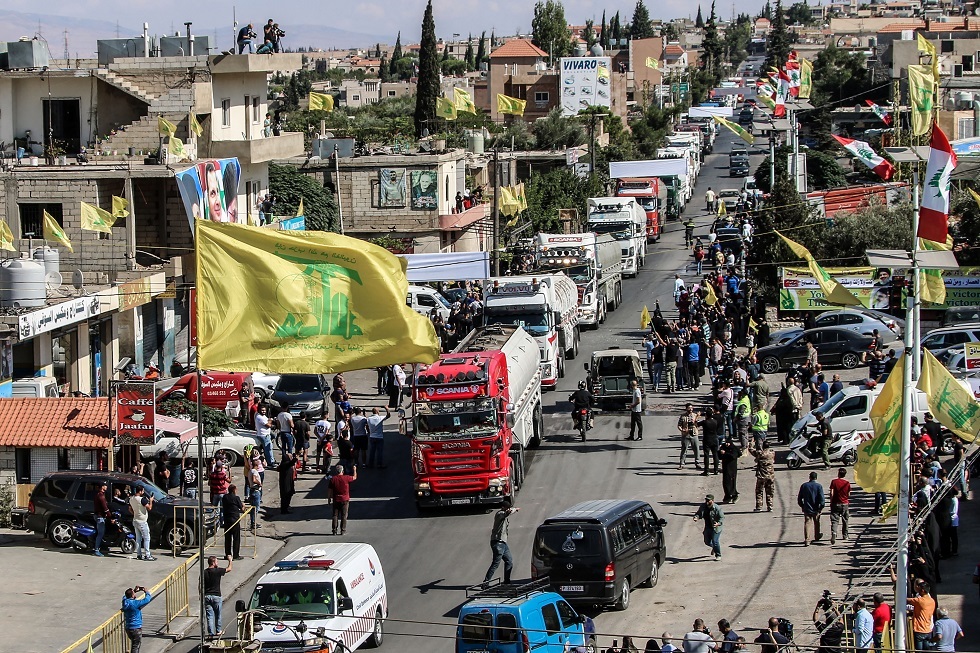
[
  {"x": 469, "y": 56},
  {"x": 822, "y": 170},
  {"x": 556, "y": 132},
  {"x": 699, "y": 21},
  {"x": 712, "y": 44},
  {"x": 481, "y": 50},
  {"x": 289, "y": 186},
  {"x": 558, "y": 189},
  {"x": 617, "y": 30},
  {"x": 737, "y": 40},
  {"x": 427, "y": 89},
  {"x": 965, "y": 226},
  {"x": 603, "y": 33},
  {"x": 837, "y": 75},
  {"x": 214, "y": 422},
  {"x": 671, "y": 33},
  {"x": 589, "y": 34},
  {"x": 453, "y": 67},
  {"x": 640, "y": 27},
  {"x": 799, "y": 14},
  {"x": 396, "y": 54},
  {"x": 778, "y": 43},
  {"x": 549, "y": 29}
]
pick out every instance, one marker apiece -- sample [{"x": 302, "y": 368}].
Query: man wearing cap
[{"x": 714, "y": 518}]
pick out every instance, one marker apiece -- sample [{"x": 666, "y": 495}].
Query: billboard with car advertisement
[{"x": 585, "y": 82}]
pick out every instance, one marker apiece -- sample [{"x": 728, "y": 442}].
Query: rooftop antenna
[{"x": 67, "y": 53}]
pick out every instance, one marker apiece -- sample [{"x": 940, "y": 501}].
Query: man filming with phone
[{"x": 132, "y": 609}]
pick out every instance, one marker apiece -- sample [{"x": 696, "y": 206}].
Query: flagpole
[{"x": 908, "y": 377}]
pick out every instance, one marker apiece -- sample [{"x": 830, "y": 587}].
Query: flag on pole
[
  {"x": 737, "y": 129},
  {"x": 952, "y": 404},
  {"x": 766, "y": 99},
  {"x": 934, "y": 212},
  {"x": 176, "y": 148},
  {"x": 782, "y": 93},
  {"x": 710, "y": 298},
  {"x": 652, "y": 63},
  {"x": 922, "y": 94},
  {"x": 753, "y": 325},
  {"x": 928, "y": 48},
  {"x": 511, "y": 105},
  {"x": 166, "y": 127},
  {"x": 96, "y": 219},
  {"x": 834, "y": 293},
  {"x": 6, "y": 237},
  {"x": 303, "y": 302},
  {"x": 881, "y": 167},
  {"x": 53, "y": 231},
  {"x": 976, "y": 197},
  {"x": 932, "y": 287},
  {"x": 722, "y": 210},
  {"x": 806, "y": 79},
  {"x": 880, "y": 112},
  {"x": 793, "y": 72},
  {"x": 521, "y": 196},
  {"x": 120, "y": 207},
  {"x": 506, "y": 203},
  {"x": 445, "y": 108},
  {"x": 877, "y": 466},
  {"x": 321, "y": 101},
  {"x": 463, "y": 101},
  {"x": 299, "y": 210},
  {"x": 645, "y": 318},
  {"x": 195, "y": 125}
]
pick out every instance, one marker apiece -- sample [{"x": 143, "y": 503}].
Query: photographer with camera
[
  {"x": 245, "y": 36},
  {"x": 770, "y": 640},
  {"x": 132, "y": 609},
  {"x": 699, "y": 640},
  {"x": 829, "y": 624}
]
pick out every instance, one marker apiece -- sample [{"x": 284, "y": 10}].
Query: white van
[
  {"x": 850, "y": 410},
  {"x": 36, "y": 388},
  {"x": 337, "y": 591},
  {"x": 423, "y": 299}
]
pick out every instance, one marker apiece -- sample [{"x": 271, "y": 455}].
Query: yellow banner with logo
[
  {"x": 6, "y": 237},
  {"x": 932, "y": 287},
  {"x": 53, "y": 231},
  {"x": 302, "y": 302},
  {"x": 321, "y": 101},
  {"x": 922, "y": 95},
  {"x": 877, "y": 467},
  {"x": 445, "y": 108},
  {"x": 645, "y": 318},
  {"x": 97, "y": 219},
  {"x": 165, "y": 127},
  {"x": 120, "y": 207},
  {"x": 511, "y": 105},
  {"x": 833, "y": 291},
  {"x": 463, "y": 101},
  {"x": 952, "y": 404}
]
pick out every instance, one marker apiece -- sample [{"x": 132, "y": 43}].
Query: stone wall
[{"x": 8, "y": 466}]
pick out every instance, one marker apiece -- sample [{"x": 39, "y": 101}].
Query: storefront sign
[
  {"x": 134, "y": 293},
  {"x": 135, "y": 412},
  {"x": 64, "y": 314},
  {"x": 798, "y": 291}
]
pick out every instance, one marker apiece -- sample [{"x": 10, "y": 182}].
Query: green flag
[
  {"x": 744, "y": 135},
  {"x": 922, "y": 94}
]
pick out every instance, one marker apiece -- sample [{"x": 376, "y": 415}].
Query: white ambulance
[{"x": 321, "y": 598}]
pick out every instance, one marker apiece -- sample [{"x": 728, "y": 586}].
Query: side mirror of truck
[{"x": 586, "y": 366}]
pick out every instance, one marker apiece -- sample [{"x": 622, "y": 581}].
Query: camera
[
  {"x": 826, "y": 601},
  {"x": 280, "y": 32},
  {"x": 251, "y": 34}
]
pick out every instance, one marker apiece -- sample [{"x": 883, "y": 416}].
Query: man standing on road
[
  {"x": 232, "y": 509},
  {"x": 714, "y": 519},
  {"x": 321, "y": 431},
  {"x": 730, "y": 637},
  {"x": 743, "y": 417},
  {"x": 263, "y": 429},
  {"x": 760, "y": 426},
  {"x": 946, "y": 632},
  {"x": 796, "y": 402},
  {"x": 709, "y": 200},
  {"x": 765, "y": 475},
  {"x": 863, "y": 626},
  {"x": 811, "y": 500},
  {"x": 770, "y": 640},
  {"x": 636, "y": 412},
  {"x": 729, "y": 454},
  {"x": 285, "y": 420},
  {"x": 840, "y": 499},
  {"x": 339, "y": 488},
  {"x": 212, "y": 594},
  {"x": 713, "y": 430},
  {"x": 132, "y": 609},
  {"x": 360, "y": 436},
  {"x": 376, "y": 437},
  {"x": 687, "y": 424},
  {"x": 287, "y": 484},
  {"x": 698, "y": 640},
  {"x": 498, "y": 542},
  {"x": 102, "y": 515},
  {"x": 141, "y": 505},
  {"x": 301, "y": 431},
  {"x": 882, "y": 616}
]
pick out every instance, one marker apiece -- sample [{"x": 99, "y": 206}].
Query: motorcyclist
[
  {"x": 581, "y": 400},
  {"x": 823, "y": 438}
]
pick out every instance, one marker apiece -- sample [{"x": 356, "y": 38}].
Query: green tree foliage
[
  {"x": 402, "y": 69},
  {"x": 549, "y": 29},
  {"x": 427, "y": 89},
  {"x": 640, "y": 26},
  {"x": 555, "y": 131},
  {"x": 837, "y": 74},
  {"x": 589, "y": 34},
  {"x": 558, "y": 189},
  {"x": 396, "y": 54},
  {"x": 469, "y": 57},
  {"x": 766, "y": 11},
  {"x": 713, "y": 48},
  {"x": 671, "y": 33},
  {"x": 481, "y": 50},
  {"x": 702, "y": 81},
  {"x": 617, "y": 30},
  {"x": 964, "y": 225},
  {"x": 699, "y": 21},
  {"x": 214, "y": 422},
  {"x": 289, "y": 186},
  {"x": 822, "y": 170},
  {"x": 649, "y": 130},
  {"x": 516, "y": 135},
  {"x": 777, "y": 46},
  {"x": 603, "y": 32},
  {"x": 453, "y": 67},
  {"x": 783, "y": 210},
  {"x": 737, "y": 40},
  {"x": 799, "y": 14}
]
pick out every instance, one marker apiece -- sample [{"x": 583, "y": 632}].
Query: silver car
[{"x": 864, "y": 321}]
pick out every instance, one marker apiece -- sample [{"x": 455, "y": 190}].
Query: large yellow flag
[
  {"x": 6, "y": 237},
  {"x": 806, "y": 79},
  {"x": 166, "y": 127},
  {"x": 521, "y": 196},
  {"x": 53, "y": 231},
  {"x": 952, "y": 404},
  {"x": 511, "y": 105},
  {"x": 736, "y": 129},
  {"x": 463, "y": 101},
  {"x": 302, "y": 302},
  {"x": 711, "y": 298},
  {"x": 507, "y": 204},
  {"x": 652, "y": 63},
  {"x": 321, "y": 101},
  {"x": 925, "y": 46},
  {"x": 120, "y": 207},
  {"x": 922, "y": 94},
  {"x": 877, "y": 466},
  {"x": 177, "y": 148},
  {"x": 932, "y": 287},
  {"x": 445, "y": 108},
  {"x": 722, "y": 209},
  {"x": 834, "y": 293},
  {"x": 195, "y": 125},
  {"x": 645, "y": 318},
  {"x": 96, "y": 219}
]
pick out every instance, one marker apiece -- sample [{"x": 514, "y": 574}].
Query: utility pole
[{"x": 495, "y": 213}]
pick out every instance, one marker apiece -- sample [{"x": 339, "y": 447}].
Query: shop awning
[{"x": 184, "y": 429}]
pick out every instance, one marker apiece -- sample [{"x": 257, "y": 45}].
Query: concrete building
[
  {"x": 520, "y": 69},
  {"x": 642, "y": 88}
]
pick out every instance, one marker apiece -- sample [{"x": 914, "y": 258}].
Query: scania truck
[
  {"x": 626, "y": 221},
  {"x": 651, "y": 195},
  {"x": 593, "y": 262}
]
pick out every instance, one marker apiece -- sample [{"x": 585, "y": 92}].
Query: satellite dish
[
  {"x": 52, "y": 280},
  {"x": 77, "y": 280}
]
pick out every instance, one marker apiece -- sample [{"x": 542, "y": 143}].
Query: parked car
[
  {"x": 750, "y": 187},
  {"x": 232, "y": 442},
  {"x": 302, "y": 393},
  {"x": 730, "y": 197},
  {"x": 783, "y": 336},
  {"x": 835, "y": 346},
  {"x": 62, "y": 497},
  {"x": 959, "y": 315},
  {"x": 938, "y": 341},
  {"x": 861, "y": 322}
]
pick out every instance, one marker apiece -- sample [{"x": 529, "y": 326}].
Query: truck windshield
[
  {"x": 453, "y": 420},
  {"x": 579, "y": 273},
  {"x": 618, "y": 230},
  {"x": 648, "y": 203},
  {"x": 293, "y": 601},
  {"x": 537, "y": 324}
]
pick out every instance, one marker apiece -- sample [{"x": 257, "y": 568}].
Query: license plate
[
  {"x": 460, "y": 502},
  {"x": 572, "y": 588}
]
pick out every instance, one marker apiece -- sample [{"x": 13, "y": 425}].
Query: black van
[{"x": 597, "y": 551}]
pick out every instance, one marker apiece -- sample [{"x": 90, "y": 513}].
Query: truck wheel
[
  {"x": 378, "y": 632},
  {"x": 573, "y": 351},
  {"x": 623, "y": 601},
  {"x": 537, "y": 427}
]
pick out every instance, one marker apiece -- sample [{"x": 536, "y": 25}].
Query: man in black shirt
[
  {"x": 231, "y": 513},
  {"x": 831, "y": 627},
  {"x": 769, "y": 639},
  {"x": 301, "y": 431},
  {"x": 581, "y": 400},
  {"x": 212, "y": 594},
  {"x": 730, "y": 643}
]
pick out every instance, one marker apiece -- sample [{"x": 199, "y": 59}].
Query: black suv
[{"x": 62, "y": 497}]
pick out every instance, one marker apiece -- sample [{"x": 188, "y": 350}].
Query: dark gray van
[{"x": 597, "y": 551}]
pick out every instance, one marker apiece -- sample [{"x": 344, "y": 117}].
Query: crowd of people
[{"x": 272, "y": 36}]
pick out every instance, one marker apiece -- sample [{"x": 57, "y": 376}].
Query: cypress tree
[
  {"x": 428, "y": 81},
  {"x": 699, "y": 22},
  {"x": 481, "y": 49},
  {"x": 396, "y": 54}
]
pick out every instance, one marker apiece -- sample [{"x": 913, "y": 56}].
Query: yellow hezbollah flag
[
  {"x": 511, "y": 105},
  {"x": 96, "y": 219},
  {"x": 195, "y": 125},
  {"x": 806, "y": 79},
  {"x": 922, "y": 92},
  {"x": 321, "y": 101},
  {"x": 890, "y": 509},
  {"x": 521, "y": 196},
  {"x": 928, "y": 48},
  {"x": 507, "y": 204},
  {"x": 445, "y": 108},
  {"x": 877, "y": 466},
  {"x": 302, "y": 302},
  {"x": 176, "y": 147},
  {"x": 951, "y": 403},
  {"x": 834, "y": 293},
  {"x": 711, "y": 298},
  {"x": 645, "y": 318},
  {"x": 463, "y": 101},
  {"x": 652, "y": 63},
  {"x": 736, "y": 129},
  {"x": 120, "y": 207},
  {"x": 53, "y": 231},
  {"x": 6, "y": 237},
  {"x": 299, "y": 211},
  {"x": 722, "y": 210},
  {"x": 166, "y": 127},
  {"x": 932, "y": 288},
  {"x": 753, "y": 325},
  {"x": 976, "y": 198}
]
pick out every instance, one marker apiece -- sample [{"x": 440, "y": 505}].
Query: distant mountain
[{"x": 84, "y": 33}]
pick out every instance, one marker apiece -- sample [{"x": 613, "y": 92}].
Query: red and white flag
[
  {"x": 880, "y": 112},
  {"x": 782, "y": 92},
  {"x": 868, "y": 157},
  {"x": 793, "y": 72},
  {"x": 934, "y": 212}
]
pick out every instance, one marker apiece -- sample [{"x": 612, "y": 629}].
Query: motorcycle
[
  {"x": 803, "y": 448},
  {"x": 582, "y": 418},
  {"x": 117, "y": 533}
]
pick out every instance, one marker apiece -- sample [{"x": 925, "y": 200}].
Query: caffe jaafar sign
[{"x": 135, "y": 412}]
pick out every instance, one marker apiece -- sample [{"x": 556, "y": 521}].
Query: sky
[{"x": 372, "y": 17}]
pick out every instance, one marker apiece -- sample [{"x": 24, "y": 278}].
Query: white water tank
[
  {"x": 22, "y": 283},
  {"x": 49, "y": 257}
]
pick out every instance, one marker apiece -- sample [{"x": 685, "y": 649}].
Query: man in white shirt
[
  {"x": 678, "y": 286},
  {"x": 376, "y": 437},
  {"x": 141, "y": 505},
  {"x": 698, "y": 641},
  {"x": 321, "y": 430},
  {"x": 263, "y": 429},
  {"x": 400, "y": 379},
  {"x": 285, "y": 420}
]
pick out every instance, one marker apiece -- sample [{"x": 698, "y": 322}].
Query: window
[
  {"x": 542, "y": 96},
  {"x": 850, "y": 318},
  {"x": 550, "y": 614},
  {"x": 87, "y": 490},
  {"x": 53, "y": 488},
  {"x": 355, "y": 98},
  {"x": 32, "y": 218},
  {"x": 425, "y": 300},
  {"x": 476, "y": 626},
  {"x": 618, "y": 539},
  {"x": 391, "y": 93},
  {"x": 827, "y": 320},
  {"x": 256, "y": 110},
  {"x": 852, "y": 406},
  {"x": 226, "y": 112},
  {"x": 568, "y": 616},
  {"x": 507, "y": 628}
]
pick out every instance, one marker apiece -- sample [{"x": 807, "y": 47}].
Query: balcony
[{"x": 260, "y": 150}]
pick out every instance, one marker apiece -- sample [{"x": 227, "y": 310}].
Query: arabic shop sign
[{"x": 66, "y": 313}]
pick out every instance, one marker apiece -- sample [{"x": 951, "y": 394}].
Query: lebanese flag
[
  {"x": 880, "y": 112},
  {"x": 793, "y": 72},
  {"x": 867, "y": 156},
  {"x": 934, "y": 212},
  {"x": 782, "y": 92}
]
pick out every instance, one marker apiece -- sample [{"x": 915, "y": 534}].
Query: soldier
[{"x": 765, "y": 474}]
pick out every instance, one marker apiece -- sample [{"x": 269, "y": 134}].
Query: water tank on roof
[
  {"x": 475, "y": 142},
  {"x": 580, "y": 50},
  {"x": 596, "y": 50},
  {"x": 49, "y": 257},
  {"x": 22, "y": 283}
]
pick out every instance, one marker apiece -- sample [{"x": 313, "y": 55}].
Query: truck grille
[{"x": 458, "y": 471}]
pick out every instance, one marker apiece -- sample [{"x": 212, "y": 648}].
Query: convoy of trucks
[
  {"x": 593, "y": 262},
  {"x": 624, "y": 220},
  {"x": 651, "y": 195}
]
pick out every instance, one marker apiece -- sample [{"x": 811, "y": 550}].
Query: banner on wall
[
  {"x": 585, "y": 82},
  {"x": 135, "y": 412},
  {"x": 425, "y": 190},
  {"x": 209, "y": 190},
  {"x": 393, "y": 188},
  {"x": 799, "y": 290}
]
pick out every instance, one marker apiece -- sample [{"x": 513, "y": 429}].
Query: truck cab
[
  {"x": 622, "y": 218},
  {"x": 651, "y": 195}
]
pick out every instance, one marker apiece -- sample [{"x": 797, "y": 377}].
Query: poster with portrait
[
  {"x": 425, "y": 190},
  {"x": 873, "y": 287},
  {"x": 393, "y": 188},
  {"x": 209, "y": 190}
]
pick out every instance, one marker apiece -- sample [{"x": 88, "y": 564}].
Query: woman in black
[
  {"x": 287, "y": 486},
  {"x": 231, "y": 513}
]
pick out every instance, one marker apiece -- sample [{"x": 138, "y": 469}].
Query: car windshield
[
  {"x": 293, "y": 601},
  {"x": 648, "y": 203},
  {"x": 579, "y": 273},
  {"x": 614, "y": 366},
  {"x": 153, "y": 491},
  {"x": 450, "y": 420},
  {"x": 537, "y": 324},
  {"x": 298, "y": 383},
  {"x": 829, "y": 405}
]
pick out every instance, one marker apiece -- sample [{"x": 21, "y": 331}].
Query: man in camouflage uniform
[{"x": 765, "y": 475}]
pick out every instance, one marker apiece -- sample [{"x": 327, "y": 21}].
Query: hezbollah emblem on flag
[{"x": 317, "y": 301}]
